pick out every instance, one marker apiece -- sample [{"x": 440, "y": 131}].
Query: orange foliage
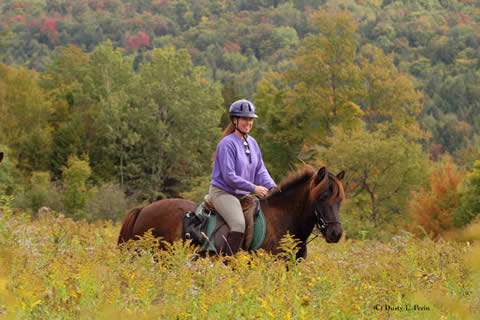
[
  {"x": 433, "y": 210},
  {"x": 231, "y": 47}
]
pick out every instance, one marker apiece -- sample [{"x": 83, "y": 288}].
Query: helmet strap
[{"x": 244, "y": 134}]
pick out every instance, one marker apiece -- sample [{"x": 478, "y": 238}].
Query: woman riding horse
[
  {"x": 238, "y": 165},
  {"x": 305, "y": 200}
]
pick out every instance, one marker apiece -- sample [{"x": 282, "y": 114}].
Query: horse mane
[
  {"x": 308, "y": 175},
  {"x": 293, "y": 181}
]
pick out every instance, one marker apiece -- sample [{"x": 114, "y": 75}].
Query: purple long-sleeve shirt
[{"x": 232, "y": 170}]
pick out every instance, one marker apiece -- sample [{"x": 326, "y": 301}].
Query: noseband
[{"x": 321, "y": 220}]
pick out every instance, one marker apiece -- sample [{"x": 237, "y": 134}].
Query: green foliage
[
  {"x": 40, "y": 192},
  {"x": 180, "y": 129},
  {"x": 280, "y": 144},
  {"x": 199, "y": 188},
  {"x": 109, "y": 81},
  {"x": 469, "y": 207},
  {"x": 8, "y": 173},
  {"x": 75, "y": 193},
  {"x": 107, "y": 202},
  {"x": 381, "y": 169}
]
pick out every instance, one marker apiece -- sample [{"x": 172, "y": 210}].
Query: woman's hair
[{"x": 228, "y": 130}]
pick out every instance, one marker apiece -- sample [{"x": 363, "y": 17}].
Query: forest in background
[{"x": 105, "y": 104}]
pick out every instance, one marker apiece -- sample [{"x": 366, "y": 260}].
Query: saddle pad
[{"x": 259, "y": 233}]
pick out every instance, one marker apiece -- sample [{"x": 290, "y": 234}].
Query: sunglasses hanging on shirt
[{"x": 247, "y": 150}]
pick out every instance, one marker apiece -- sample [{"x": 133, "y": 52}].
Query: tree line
[
  {"x": 96, "y": 127},
  {"x": 434, "y": 41}
]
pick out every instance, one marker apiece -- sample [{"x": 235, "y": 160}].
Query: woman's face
[{"x": 245, "y": 124}]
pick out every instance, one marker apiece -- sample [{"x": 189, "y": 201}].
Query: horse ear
[
  {"x": 341, "y": 175},
  {"x": 320, "y": 175}
]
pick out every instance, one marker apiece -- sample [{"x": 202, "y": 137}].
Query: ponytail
[{"x": 228, "y": 130}]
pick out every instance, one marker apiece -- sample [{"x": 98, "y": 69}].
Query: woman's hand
[{"x": 261, "y": 191}]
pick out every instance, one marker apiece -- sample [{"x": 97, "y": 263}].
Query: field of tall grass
[{"x": 56, "y": 268}]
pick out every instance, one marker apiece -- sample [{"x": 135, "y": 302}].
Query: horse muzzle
[{"x": 334, "y": 233}]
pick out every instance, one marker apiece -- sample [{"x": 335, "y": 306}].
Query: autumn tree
[
  {"x": 24, "y": 118},
  {"x": 432, "y": 209},
  {"x": 387, "y": 96},
  {"x": 332, "y": 85},
  {"x": 325, "y": 81}
]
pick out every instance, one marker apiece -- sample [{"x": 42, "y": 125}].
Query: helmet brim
[{"x": 244, "y": 115}]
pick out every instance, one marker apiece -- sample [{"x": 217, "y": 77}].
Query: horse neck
[{"x": 293, "y": 213}]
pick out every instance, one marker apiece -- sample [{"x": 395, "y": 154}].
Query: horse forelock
[
  {"x": 329, "y": 181},
  {"x": 338, "y": 194}
]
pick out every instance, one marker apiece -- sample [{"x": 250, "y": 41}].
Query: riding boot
[{"x": 234, "y": 241}]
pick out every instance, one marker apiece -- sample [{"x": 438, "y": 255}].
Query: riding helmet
[{"x": 243, "y": 108}]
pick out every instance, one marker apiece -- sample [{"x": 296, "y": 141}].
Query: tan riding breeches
[{"x": 228, "y": 206}]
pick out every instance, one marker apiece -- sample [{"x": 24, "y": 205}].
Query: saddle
[{"x": 207, "y": 229}]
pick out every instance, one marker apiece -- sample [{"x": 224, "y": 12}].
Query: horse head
[{"x": 326, "y": 195}]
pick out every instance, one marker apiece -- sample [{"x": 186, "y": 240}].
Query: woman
[{"x": 237, "y": 171}]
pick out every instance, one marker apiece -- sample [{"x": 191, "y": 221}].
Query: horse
[
  {"x": 1, "y": 156},
  {"x": 304, "y": 200}
]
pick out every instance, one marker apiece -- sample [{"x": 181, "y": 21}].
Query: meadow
[{"x": 53, "y": 267}]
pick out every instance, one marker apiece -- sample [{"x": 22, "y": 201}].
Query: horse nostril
[{"x": 334, "y": 235}]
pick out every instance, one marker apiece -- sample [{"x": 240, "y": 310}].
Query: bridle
[{"x": 322, "y": 222}]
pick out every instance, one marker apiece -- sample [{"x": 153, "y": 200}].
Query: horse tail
[{"x": 127, "y": 227}]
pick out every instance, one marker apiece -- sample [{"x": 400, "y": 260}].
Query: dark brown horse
[{"x": 305, "y": 200}]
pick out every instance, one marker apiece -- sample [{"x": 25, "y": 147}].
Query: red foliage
[
  {"x": 464, "y": 19},
  {"x": 231, "y": 47},
  {"x": 19, "y": 4},
  {"x": 136, "y": 41},
  {"x": 49, "y": 29},
  {"x": 433, "y": 210},
  {"x": 19, "y": 19}
]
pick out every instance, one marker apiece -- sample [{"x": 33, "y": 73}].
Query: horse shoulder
[{"x": 274, "y": 229}]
